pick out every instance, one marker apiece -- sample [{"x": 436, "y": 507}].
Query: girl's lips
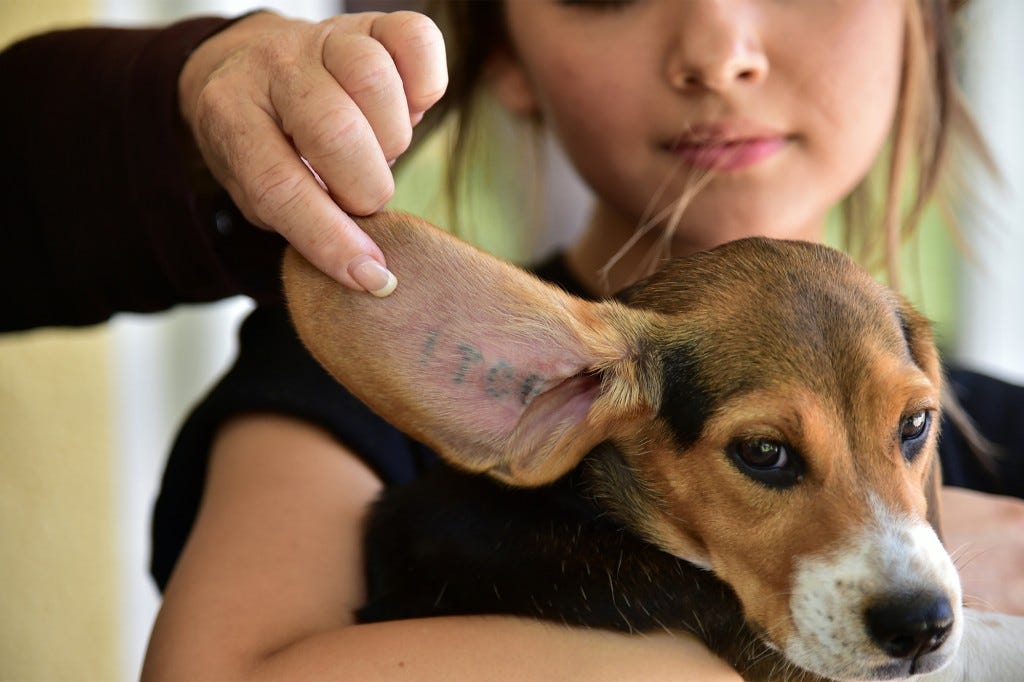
[{"x": 727, "y": 155}]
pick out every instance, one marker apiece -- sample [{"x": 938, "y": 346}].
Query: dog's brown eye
[
  {"x": 914, "y": 426},
  {"x": 913, "y": 429},
  {"x": 767, "y": 461},
  {"x": 763, "y": 454}
]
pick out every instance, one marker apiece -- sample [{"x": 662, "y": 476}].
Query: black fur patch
[
  {"x": 908, "y": 337},
  {"x": 453, "y": 543},
  {"x": 686, "y": 403}
]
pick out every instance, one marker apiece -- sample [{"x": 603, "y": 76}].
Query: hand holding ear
[{"x": 300, "y": 122}]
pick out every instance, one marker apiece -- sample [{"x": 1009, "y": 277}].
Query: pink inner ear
[
  {"x": 495, "y": 390},
  {"x": 491, "y": 379},
  {"x": 555, "y": 413}
]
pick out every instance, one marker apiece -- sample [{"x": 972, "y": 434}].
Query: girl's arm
[
  {"x": 272, "y": 573},
  {"x": 985, "y": 534}
]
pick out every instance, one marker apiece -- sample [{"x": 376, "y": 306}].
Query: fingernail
[
  {"x": 372, "y": 276},
  {"x": 316, "y": 176}
]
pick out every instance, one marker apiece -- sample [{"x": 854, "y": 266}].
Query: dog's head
[
  {"x": 765, "y": 410},
  {"x": 792, "y": 449}
]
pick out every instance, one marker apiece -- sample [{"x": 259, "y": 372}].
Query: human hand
[
  {"x": 985, "y": 535},
  {"x": 268, "y": 94}
]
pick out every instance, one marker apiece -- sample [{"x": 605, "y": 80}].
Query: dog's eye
[
  {"x": 913, "y": 426},
  {"x": 763, "y": 454},
  {"x": 766, "y": 461},
  {"x": 913, "y": 429}
]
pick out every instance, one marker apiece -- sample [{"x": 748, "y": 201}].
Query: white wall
[
  {"x": 148, "y": 11},
  {"x": 992, "y": 308}
]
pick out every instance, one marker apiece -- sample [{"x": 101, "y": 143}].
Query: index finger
[{"x": 280, "y": 191}]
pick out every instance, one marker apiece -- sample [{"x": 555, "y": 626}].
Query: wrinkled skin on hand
[{"x": 343, "y": 95}]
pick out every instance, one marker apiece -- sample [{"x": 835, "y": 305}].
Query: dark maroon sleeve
[{"x": 104, "y": 210}]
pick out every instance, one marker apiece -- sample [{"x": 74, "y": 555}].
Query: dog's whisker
[
  {"x": 975, "y": 601},
  {"x": 961, "y": 559},
  {"x": 963, "y": 556}
]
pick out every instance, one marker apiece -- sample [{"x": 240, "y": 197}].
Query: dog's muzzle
[{"x": 884, "y": 605}]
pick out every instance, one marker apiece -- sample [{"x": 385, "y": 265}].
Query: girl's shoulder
[{"x": 272, "y": 373}]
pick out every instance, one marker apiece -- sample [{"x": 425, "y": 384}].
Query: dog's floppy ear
[
  {"x": 917, "y": 332},
  {"x": 496, "y": 370}
]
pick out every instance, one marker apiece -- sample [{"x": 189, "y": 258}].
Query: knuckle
[
  {"x": 320, "y": 236},
  {"x": 385, "y": 192},
  {"x": 274, "y": 192},
  {"x": 335, "y": 133},
  {"x": 216, "y": 105},
  {"x": 419, "y": 29},
  {"x": 373, "y": 197},
  {"x": 369, "y": 73},
  {"x": 397, "y": 141},
  {"x": 423, "y": 100},
  {"x": 423, "y": 40},
  {"x": 218, "y": 126},
  {"x": 278, "y": 48}
]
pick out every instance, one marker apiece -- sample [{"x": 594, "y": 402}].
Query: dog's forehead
[
  {"x": 773, "y": 272},
  {"x": 768, "y": 296},
  {"x": 763, "y": 312}
]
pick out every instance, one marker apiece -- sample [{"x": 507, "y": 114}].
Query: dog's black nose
[{"x": 910, "y": 625}]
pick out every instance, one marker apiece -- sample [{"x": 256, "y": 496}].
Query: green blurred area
[
  {"x": 928, "y": 268},
  {"x": 496, "y": 209}
]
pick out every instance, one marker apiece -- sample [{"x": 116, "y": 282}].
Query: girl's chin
[
  {"x": 692, "y": 240},
  {"x": 713, "y": 220},
  {"x": 720, "y": 214}
]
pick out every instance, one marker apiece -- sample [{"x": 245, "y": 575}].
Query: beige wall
[
  {"x": 58, "y": 566},
  {"x": 57, "y": 556},
  {"x": 23, "y": 17}
]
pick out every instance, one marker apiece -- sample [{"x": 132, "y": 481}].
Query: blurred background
[{"x": 87, "y": 416}]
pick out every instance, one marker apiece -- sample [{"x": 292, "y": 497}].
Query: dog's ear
[
  {"x": 917, "y": 332},
  {"x": 496, "y": 370}
]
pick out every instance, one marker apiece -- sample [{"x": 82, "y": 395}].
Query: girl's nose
[{"x": 717, "y": 47}]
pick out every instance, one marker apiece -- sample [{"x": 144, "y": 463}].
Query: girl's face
[{"x": 780, "y": 106}]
